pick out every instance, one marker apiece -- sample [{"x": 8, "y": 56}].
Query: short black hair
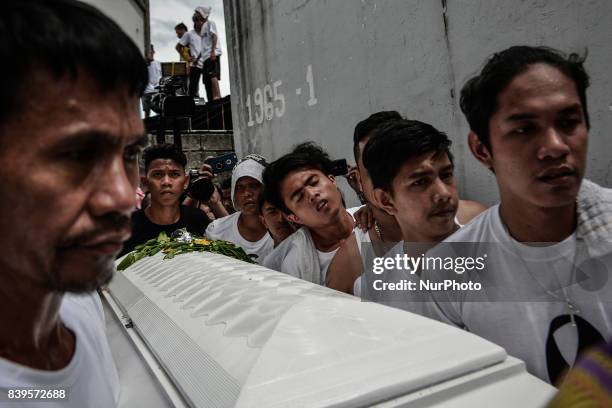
[
  {"x": 163, "y": 151},
  {"x": 68, "y": 37},
  {"x": 367, "y": 126},
  {"x": 397, "y": 142},
  {"x": 479, "y": 94},
  {"x": 263, "y": 198},
  {"x": 304, "y": 156},
  {"x": 182, "y": 26}
]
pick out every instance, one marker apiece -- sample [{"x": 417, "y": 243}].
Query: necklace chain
[
  {"x": 568, "y": 301},
  {"x": 378, "y": 231}
]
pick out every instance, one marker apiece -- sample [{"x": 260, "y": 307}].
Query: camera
[
  {"x": 200, "y": 189},
  {"x": 171, "y": 97}
]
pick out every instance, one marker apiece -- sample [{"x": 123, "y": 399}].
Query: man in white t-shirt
[
  {"x": 211, "y": 54},
  {"x": 546, "y": 291},
  {"x": 193, "y": 40},
  {"x": 410, "y": 216},
  {"x": 155, "y": 74},
  {"x": 70, "y": 172},
  {"x": 301, "y": 185},
  {"x": 244, "y": 227}
]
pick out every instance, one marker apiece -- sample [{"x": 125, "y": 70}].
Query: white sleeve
[
  {"x": 185, "y": 40},
  {"x": 212, "y": 28},
  {"x": 210, "y": 231}
]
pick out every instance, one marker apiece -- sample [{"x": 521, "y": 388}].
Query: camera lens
[{"x": 201, "y": 189}]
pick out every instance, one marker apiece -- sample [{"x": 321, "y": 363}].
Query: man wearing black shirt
[{"x": 166, "y": 180}]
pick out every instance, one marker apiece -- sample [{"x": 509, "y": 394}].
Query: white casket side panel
[{"x": 235, "y": 334}]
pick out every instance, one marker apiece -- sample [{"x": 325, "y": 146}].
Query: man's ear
[
  {"x": 332, "y": 178},
  {"x": 384, "y": 200},
  {"x": 263, "y": 221},
  {"x": 480, "y": 151},
  {"x": 186, "y": 183},
  {"x": 294, "y": 218},
  {"x": 358, "y": 179}
]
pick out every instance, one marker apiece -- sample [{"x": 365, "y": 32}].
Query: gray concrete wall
[
  {"x": 332, "y": 63},
  {"x": 198, "y": 146}
]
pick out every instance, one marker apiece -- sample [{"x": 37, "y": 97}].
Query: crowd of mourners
[
  {"x": 528, "y": 126},
  {"x": 74, "y": 162}
]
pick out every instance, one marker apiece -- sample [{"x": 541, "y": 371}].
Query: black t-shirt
[{"x": 194, "y": 219}]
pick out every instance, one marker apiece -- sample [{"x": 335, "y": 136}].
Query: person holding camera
[
  {"x": 166, "y": 180},
  {"x": 244, "y": 227},
  {"x": 204, "y": 194}
]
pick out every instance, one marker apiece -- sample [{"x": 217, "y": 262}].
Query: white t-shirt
[
  {"x": 325, "y": 259},
  {"x": 193, "y": 40},
  {"x": 226, "y": 228},
  {"x": 274, "y": 260},
  {"x": 208, "y": 30},
  {"x": 514, "y": 309},
  {"x": 90, "y": 379},
  {"x": 155, "y": 74}
]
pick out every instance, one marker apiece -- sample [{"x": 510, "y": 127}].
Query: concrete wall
[
  {"x": 332, "y": 63},
  {"x": 198, "y": 146}
]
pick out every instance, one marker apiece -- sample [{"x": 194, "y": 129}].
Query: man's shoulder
[
  {"x": 193, "y": 212},
  {"x": 295, "y": 242},
  {"x": 83, "y": 309},
  {"x": 194, "y": 219},
  {"x": 189, "y": 37},
  {"x": 210, "y": 26},
  {"x": 223, "y": 224},
  {"x": 477, "y": 229},
  {"x": 275, "y": 258},
  {"x": 139, "y": 218}
]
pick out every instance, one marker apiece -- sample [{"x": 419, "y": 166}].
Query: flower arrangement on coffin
[{"x": 181, "y": 242}]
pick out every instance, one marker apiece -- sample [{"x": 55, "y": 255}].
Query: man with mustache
[
  {"x": 412, "y": 174},
  {"x": 70, "y": 172},
  {"x": 547, "y": 292},
  {"x": 346, "y": 269},
  {"x": 245, "y": 227},
  {"x": 166, "y": 180},
  {"x": 301, "y": 185}
]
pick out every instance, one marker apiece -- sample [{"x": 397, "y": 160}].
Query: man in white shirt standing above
[
  {"x": 70, "y": 172},
  {"x": 205, "y": 50},
  {"x": 245, "y": 227},
  {"x": 211, "y": 54},
  {"x": 546, "y": 292},
  {"x": 193, "y": 40},
  {"x": 155, "y": 74}
]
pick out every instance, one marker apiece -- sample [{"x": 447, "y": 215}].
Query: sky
[{"x": 165, "y": 14}]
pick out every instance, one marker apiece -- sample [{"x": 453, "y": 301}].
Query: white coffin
[{"x": 228, "y": 333}]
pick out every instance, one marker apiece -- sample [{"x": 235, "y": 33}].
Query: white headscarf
[{"x": 252, "y": 165}]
